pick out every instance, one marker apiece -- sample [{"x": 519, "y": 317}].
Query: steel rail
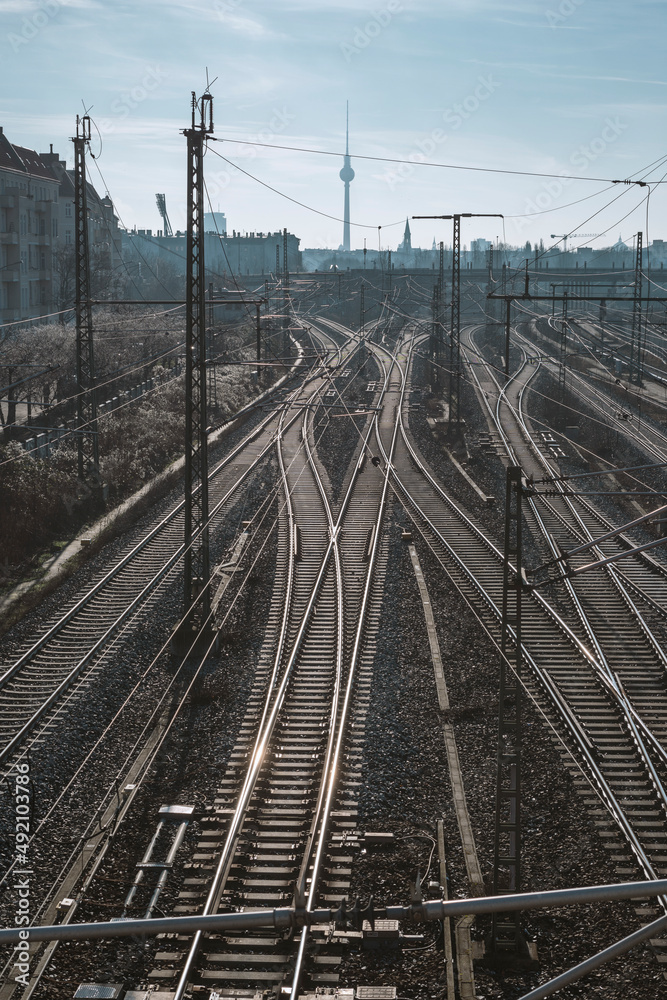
[
  {"x": 129, "y": 610},
  {"x": 617, "y": 579},
  {"x": 220, "y": 504},
  {"x": 123, "y": 562},
  {"x": 165, "y": 522},
  {"x": 126, "y": 614},
  {"x": 331, "y": 782},
  {"x": 563, "y": 711},
  {"x": 654, "y": 444},
  {"x": 609, "y": 677},
  {"x": 606, "y": 675},
  {"x": 264, "y": 734}
]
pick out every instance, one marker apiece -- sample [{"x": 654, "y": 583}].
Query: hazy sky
[{"x": 571, "y": 87}]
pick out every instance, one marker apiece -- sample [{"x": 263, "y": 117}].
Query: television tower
[{"x": 347, "y": 175}]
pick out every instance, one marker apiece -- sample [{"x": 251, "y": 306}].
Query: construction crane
[
  {"x": 566, "y": 236},
  {"x": 162, "y": 209}
]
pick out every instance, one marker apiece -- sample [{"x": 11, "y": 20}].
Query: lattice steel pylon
[
  {"x": 286, "y": 300},
  {"x": 506, "y": 934},
  {"x": 435, "y": 338},
  {"x": 455, "y": 333},
  {"x": 562, "y": 366},
  {"x": 455, "y": 343},
  {"x": 196, "y": 591},
  {"x": 635, "y": 339},
  {"x": 86, "y": 410}
]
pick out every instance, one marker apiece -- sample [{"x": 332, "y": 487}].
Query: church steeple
[
  {"x": 407, "y": 237},
  {"x": 347, "y": 175}
]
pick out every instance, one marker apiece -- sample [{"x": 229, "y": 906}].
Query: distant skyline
[{"x": 572, "y": 87}]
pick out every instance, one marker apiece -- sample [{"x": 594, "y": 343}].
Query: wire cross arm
[
  {"x": 610, "y": 534},
  {"x": 570, "y": 571},
  {"x": 615, "y": 558}
]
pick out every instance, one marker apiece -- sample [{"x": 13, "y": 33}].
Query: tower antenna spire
[{"x": 347, "y": 175}]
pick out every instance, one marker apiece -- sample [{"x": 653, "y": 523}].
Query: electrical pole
[
  {"x": 508, "y": 332},
  {"x": 196, "y": 536},
  {"x": 561, "y": 366},
  {"x": 506, "y": 933},
  {"x": 211, "y": 372},
  {"x": 635, "y": 340},
  {"x": 455, "y": 332},
  {"x": 86, "y": 409},
  {"x": 435, "y": 344},
  {"x": 286, "y": 302}
]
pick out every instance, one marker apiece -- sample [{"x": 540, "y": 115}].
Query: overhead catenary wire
[
  {"x": 302, "y": 204},
  {"x": 429, "y": 163}
]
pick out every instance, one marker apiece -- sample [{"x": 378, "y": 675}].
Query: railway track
[
  {"x": 578, "y": 668},
  {"x": 602, "y": 393},
  {"x": 80, "y": 640},
  {"x": 279, "y": 827},
  {"x": 283, "y": 826}
]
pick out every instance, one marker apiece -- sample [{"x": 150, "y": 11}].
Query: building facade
[
  {"x": 29, "y": 229},
  {"x": 37, "y": 234},
  {"x": 235, "y": 254}
]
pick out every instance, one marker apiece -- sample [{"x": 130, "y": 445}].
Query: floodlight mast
[{"x": 161, "y": 201}]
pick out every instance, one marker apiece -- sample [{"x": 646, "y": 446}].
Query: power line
[
  {"x": 433, "y": 163},
  {"x": 301, "y": 204}
]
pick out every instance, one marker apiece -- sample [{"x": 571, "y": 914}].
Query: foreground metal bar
[
  {"x": 285, "y": 917},
  {"x": 606, "y": 955}
]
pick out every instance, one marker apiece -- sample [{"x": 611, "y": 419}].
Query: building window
[
  {"x": 24, "y": 225},
  {"x": 54, "y": 227},
  {"x": 23, "y": 262},
  {"x": 68, "y": 236},
  {"x": 42, "y": 262},
  {"x": 68, "y": 209}
]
